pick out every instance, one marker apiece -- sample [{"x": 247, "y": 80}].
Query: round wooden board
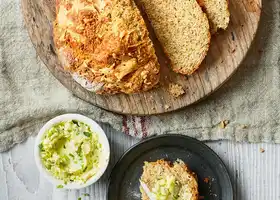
[{"x": 228, "y": 48}]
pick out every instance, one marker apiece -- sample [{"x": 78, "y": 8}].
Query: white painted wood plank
[{"x": 255, "y": 175}]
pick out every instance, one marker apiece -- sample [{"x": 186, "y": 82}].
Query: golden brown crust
[
  {"x": 200, "y": 2},
  {"x": 106, "y": 41}
]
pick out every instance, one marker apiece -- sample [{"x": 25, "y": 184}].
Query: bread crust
[{"x": 106, "y": 42}]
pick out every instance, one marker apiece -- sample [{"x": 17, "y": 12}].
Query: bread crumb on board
[
  {"x": 166, "y": 107},
  {"x": 224, "y": 123},
  {"x": 176, "y": 90},
  {"x": 262, "y": 150}
]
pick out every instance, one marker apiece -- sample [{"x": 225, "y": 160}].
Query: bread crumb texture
[
  {"x": 184, "y": 178},
  {"x": 217, "y": 12},
  {"x": 183, "y": 30},
  {"x": 176, "y": 90}
]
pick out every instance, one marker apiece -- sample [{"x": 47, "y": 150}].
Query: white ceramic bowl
[{"x": 104, "y": 158}]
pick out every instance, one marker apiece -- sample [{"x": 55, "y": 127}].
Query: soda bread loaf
[
  {"x": 169, "y": 181},
  {"x": 106, "y": 43},
  {"x": 182, "y": 29},
  {"x": 217, "y": 12}
]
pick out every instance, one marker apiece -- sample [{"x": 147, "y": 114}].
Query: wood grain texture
[
  {"x": 227, "y": 50},
  {"x": 255, "y": 175}
]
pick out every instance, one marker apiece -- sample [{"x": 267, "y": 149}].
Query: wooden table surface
[{"x": 255, "y": 175}]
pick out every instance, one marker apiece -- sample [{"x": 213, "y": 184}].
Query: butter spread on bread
[{"x": 169, "y": 181}]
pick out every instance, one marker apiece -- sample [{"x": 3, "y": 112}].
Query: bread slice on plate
[
  {"x": 217, "y": 12},
  {"x": 169, "y": 181},
  {"x": 182, "y": 29}
]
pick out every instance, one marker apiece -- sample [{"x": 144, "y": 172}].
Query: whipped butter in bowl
[{"x": 72, "y": 151}]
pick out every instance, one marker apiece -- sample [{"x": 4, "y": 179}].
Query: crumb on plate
[{"x": 206, "y": 180}]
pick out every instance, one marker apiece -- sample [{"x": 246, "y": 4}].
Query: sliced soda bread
[
  {"x": 105, "y": 45},
  {"x": 169, "y": 181},
  {"x": 217, "y": 12},
  {"x": 182, "y": 29}
]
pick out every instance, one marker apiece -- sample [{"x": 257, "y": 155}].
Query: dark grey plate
[{"x": 124, "y": 179}]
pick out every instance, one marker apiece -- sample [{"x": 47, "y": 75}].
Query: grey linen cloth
[{"x": 249, "y": 101}]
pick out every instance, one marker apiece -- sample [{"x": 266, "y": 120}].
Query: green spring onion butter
[
  {"x": 70, "y": 151},
  {"x": 166, "y": 188}
]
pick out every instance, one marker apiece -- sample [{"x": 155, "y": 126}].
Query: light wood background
[
  {"x": 255, "y": 175},
  {"x": 227, "y": 50}
]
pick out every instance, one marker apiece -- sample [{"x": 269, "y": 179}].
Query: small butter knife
[{"x": 147, "y": 191}]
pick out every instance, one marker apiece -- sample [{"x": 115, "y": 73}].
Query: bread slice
[
  {"x": 217, "y": 12},
  {"x": 154, "y": 173},
  {"x": 182, "y": 29}
]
